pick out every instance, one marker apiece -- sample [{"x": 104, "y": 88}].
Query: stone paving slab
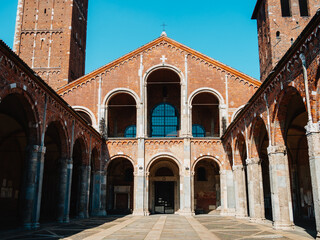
[{"x": 159, "y": 227}]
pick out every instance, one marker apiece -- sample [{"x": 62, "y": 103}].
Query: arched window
[
  {"x": 130, "y": 131},
  {"x": 198, "y": 131},
  {"x": 164, "y": 121}
]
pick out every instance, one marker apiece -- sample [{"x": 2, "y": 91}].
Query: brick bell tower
[
  {"x": 280, "y": 22},
  {"x": 50, "y": 37}
]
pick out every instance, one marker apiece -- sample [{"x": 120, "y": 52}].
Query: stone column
[
  {"x": 32, "y": 186},
  {"x": 255, "y": 189},
  {"x": 63, "y": 182},
  {"x": 223, "y": 191},
  {"x": 313, "y": 137},
  {"x": 83, "y": 192},
  {"x": 280, "y": 188},
  {"x": 103, "y": 193},
  {"x": 185, "y": 182},
  {"x": 240, "y": 191},
  {"x": 139, "y": 189}
]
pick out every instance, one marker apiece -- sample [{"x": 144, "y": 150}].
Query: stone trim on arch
[
  {"x": 167, "y": 155},
  {"x": 114, "y": 157},
  {"x": 163, "y": 66},
  {"x": 206, "y": 157},
  {"x": 206, "y": 90},
  {"x": 22, "y": 90},
  {"x": 236, "y": 112},
  {"x": 115, "y": 91},
  {"x": 89, "y": 112}
]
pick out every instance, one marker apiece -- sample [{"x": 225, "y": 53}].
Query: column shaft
[
  {"x": 280, "y": 188},
  {"x": 255, "y": 188},
  {"x": 313, "y": 137},
  {"x": 240, "y": 191}
]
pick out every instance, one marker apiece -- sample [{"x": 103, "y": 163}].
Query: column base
[
  {"x": 140, "y": 213},
  {"x": 283, "y": 225},
  {"x": 257, "y": 220},
  {"x": 185, "y": 212},
  {"x": 318, "y": 236},
  {"x": 242, "y": 216},
  {"x": 228, "y": 212}
]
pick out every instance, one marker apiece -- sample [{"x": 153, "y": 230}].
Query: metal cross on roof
[{"x": 164, "y": 27}]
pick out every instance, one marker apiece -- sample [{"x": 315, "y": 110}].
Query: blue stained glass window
[
  {"x": 130, "y": 131},
  {"x": 198, "y": 130},
  {"x": 164, "y": 121}
]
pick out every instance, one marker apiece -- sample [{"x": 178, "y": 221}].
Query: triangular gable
[{"x": 150, "y": 45}]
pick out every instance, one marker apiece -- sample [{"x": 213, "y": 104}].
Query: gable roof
[{"x": 147, "y": 46}]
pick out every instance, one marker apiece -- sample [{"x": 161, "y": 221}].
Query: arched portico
[
  {"x": 163, "y": 185},
  {"x": 206, "y": 185},
  {"x": 120, "y": 185}
]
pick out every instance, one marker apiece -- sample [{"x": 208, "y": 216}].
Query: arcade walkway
[{"x": 164, "y": 227}]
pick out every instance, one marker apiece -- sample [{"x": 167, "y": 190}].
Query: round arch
[
  {"x": 58, "y": 122},
  {"x": 206, "y": 157},
  {"x": 88, "y": 112},
  {"x": 116, "y": 91},
  {"x": 163, "y": 66},
  {"x": 205, "y": 90},
  {"x": 279, "y": 114},
  {"x": 163, "y": 156},
  {"x": 120, "y": 184},
  {"x": 115, "y": 157},
  {"x": 32, "y": 112},
  {"x": 236, "y": 112}
]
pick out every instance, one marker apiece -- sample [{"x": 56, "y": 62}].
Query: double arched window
[{"x": 164, "y": 121}]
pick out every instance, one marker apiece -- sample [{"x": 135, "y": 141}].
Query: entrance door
[{"x": 164, "y": 197}]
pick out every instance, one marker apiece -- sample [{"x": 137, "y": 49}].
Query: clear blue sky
[{"x": 222, "y": 30}]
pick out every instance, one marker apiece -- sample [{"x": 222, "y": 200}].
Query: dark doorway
[
  {"x": 120, "y": 184},
  {"x": 164, "y": 197}
]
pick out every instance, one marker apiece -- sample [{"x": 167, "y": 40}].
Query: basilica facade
[{"x": 163, "y": 129}]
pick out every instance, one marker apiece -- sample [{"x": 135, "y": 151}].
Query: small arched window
[
  {"x": 130, "y": 131},
  {"x": 198, "y": 130},
  {"x": 164, "y": 121},
  {"x": 201, "y": 174}
]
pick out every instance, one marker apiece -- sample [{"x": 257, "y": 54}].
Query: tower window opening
[
  {"x": 278, "y": 35},
  {"x": 304, "y": 11},
  {"x": 285, "y": 8}
]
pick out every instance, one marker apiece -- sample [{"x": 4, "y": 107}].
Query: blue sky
[{"x": 222, "y": 30}]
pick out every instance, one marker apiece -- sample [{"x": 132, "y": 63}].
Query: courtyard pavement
[{"x": 164, "y": 227}]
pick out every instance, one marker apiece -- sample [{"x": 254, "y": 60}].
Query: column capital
[
  {"x": 237, "y": 168},
  {"x": 36, "y": 148},
  {"x": 312, "y": 128},
  {"x": 277, "y": 149},
  {"x": 223, "y": 172},
  {"x": 252, "y": 161}
]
